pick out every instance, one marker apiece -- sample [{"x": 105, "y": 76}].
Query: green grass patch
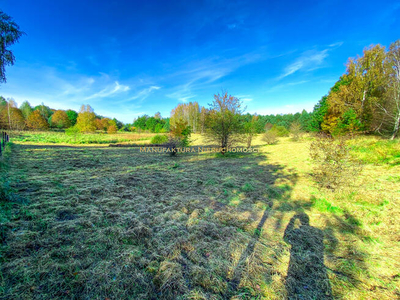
[
  {"x": 374, "y": 151},
  {"x": 324, "y": 205},
  {"x": 63, "y": 138}
]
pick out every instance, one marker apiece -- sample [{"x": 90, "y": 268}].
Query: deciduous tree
[
  {"x": 85, "y": 122},
  {"x": 223, "y": 122},
  {"x": 36, "y": 121},
  {"x": 72, "y": 116},
  {"x": 60, "y": 119},
  {"x": 389, "y": 107},
  {"x": 9, "y": 35},
  {"x": 26, "y": 109},
  {"x": 250, "y": 130}
]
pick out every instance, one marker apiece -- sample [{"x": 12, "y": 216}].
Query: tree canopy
[{"x": 9, "y": 35}]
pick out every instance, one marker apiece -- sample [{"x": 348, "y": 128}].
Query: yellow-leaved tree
[
  {"x": 60, "y": 119},
  {"x": 36, "y": 121},
  {"x": 86, "y": 119}
]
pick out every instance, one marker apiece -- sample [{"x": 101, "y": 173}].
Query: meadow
[
  {"x": 112, "y": 223},
  {"x": 40, "y": 137}
]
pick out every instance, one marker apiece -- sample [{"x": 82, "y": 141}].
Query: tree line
[{"x": 42, "y": 117}]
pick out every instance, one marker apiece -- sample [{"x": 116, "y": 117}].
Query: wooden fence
[{"x": 5, "y": 138}]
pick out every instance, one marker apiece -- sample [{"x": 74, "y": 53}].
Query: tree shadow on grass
[
  {"x": 237, "y": 274},
  {"x": 306, "y": 276},
  {"x": 196, "y": 212}
]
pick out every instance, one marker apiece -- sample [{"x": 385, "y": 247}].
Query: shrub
[
  {"x": 295, "y": 130},
  {"x": 172, "y": 144},
  {"x": 270, "y": 137},
  {"x": 334, "y": 166},
  {"x": 181, "y": 131},
  {"x": 281, "y": 131},
  {"x": 159, "y": 139},
  {"x": 112, "y": 129}
]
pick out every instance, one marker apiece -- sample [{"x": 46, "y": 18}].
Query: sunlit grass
[
  {"x": 30, "y": 137},
  {"x": 104, "y": 222}
]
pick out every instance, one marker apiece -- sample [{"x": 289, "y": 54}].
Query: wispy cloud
[
  {"x": 182, "y": 93},
  {"x": 309, "y": 60},
  {"x": 245, "y": 98},
  {"x": 335, "y": 45},
  {"x": 144, "y": 93},
  {"x": 110, "y": 90}
]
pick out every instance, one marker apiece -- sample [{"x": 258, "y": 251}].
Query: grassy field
[
  {"x": 38, "y": 137},
  {"x": 114, "y": 223}
]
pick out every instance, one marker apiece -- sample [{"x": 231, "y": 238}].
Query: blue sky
[{"x": 128, "y": 58}]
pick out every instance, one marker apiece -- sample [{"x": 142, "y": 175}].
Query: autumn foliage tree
[
  {"x": 190, "y": 113},
  {"x": 367, "y": 96},
  {"x": 60, "y": 119},
  {"x": 181, "y": 131},
  {"x": 86, "y": 119},
  {"x": 10, "y": 116},
  {"x": 112, "y": 127},
  {"x": 36, "y": 121}
]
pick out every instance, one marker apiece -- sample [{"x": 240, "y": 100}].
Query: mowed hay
[{"x": 116, "y": 223}]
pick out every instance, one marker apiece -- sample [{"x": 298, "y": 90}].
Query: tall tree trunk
[{"x": 396, "y": 127}]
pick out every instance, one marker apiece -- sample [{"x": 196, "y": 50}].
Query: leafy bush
[
  {"x": 270, "y": 137},
  {"x": 334, "y": 166},
  {"x": 159, "y": 139},
  {"x": 181, "y": 131},
  {"x": 281, "y": 131},
  {"x": 348, "y": 123}
]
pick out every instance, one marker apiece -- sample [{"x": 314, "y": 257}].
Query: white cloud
[
  {"x": 110, "y": 90},
  {"x": 246, "y": 98},
  {"x": 182, "y": 93},
  {"x": 143, "y": 94},
  {"x": 308, "y": 61}
]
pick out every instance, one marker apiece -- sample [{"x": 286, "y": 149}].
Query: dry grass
[{"x": 115, "y": 223}]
